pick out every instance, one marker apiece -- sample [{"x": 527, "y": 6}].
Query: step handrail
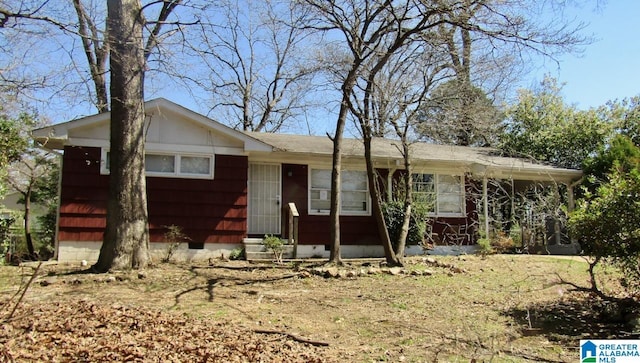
[{"x": 293, "y": 227}]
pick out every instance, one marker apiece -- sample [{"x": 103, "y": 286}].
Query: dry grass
[{"x": 502, "y": 308}]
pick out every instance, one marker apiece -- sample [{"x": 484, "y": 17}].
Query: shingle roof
[{"x": 470, "y": 157}]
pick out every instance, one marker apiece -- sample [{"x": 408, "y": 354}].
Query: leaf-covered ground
[
  {"x": 445, "y": 309},
  {"x": 89, "y": 332}
]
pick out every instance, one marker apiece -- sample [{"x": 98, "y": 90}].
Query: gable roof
[
  {"x": 57, "y": 136},
  {"x": 479, "y": 161}
]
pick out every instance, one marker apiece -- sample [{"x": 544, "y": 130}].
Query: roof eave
[{"x": 565, "y": 176}]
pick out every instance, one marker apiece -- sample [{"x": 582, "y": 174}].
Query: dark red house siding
[
  {"x": 83, "y": 196},
  {"x": 314, "y": 229},
  {"x": 442, "y": 226},
  {"x": 210, "y": 211},
  {"x": 355, "y": 230}
]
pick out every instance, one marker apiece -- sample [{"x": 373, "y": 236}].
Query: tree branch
[{"x": 292, "y": 336}]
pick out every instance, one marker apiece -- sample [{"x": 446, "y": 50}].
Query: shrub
[
  {"x": 485, "y": 247},
  {"x": 500, "y": 243},
  {"x": 45, "y": 235},
  {"x": 5, "y": 234},
  {"x": 394, "y": 216},
  {"x": 515, "y": 233},
  {"x": 237, "y": 254},
  {"x": 175, "y": 237},
  {"x": 606, "y": 224},
  {"x": 503, "y": 242},
  {"x": 276, "y": 245}
]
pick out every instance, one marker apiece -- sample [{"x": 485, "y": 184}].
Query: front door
[{"x": 264, "y": 199}]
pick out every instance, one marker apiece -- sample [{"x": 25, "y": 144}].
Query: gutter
[{"x": 44, "y": 141}]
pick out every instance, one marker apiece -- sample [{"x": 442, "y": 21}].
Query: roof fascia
[{"x": 546, "y": 173}]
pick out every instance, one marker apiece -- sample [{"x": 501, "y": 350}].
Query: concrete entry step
[{"x": 254, "y": 250}]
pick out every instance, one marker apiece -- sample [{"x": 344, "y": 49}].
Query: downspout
[
  {"x": 56, "y": 241},
  {"x": 485, "y": 200}
]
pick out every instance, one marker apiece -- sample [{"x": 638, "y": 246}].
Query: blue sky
[{"x": 609, "y": 68}]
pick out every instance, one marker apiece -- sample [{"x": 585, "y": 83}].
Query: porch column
[
  {"x": 571, "y": 202},
  {"x": 390, "y": 184}
]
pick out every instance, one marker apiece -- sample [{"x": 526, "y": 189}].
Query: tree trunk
[
  {"x": 126, "y": 239},
  {"x": 96, "y": 54},
  {"x": 408, "y": 202},
  {"x": 334, "y": 213},
  {"x": 27, "y": 223},
  {"x": 376, "y": 206}
]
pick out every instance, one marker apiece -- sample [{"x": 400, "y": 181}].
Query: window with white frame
[
  {"x": 161, "y": 164},
  {"x": 424, "y": 190},
  {"x": 354, "y": 192},
  {"x": 171, "y": 165},
  {"x": 444, "y": 193},
  {"x": 319, "y": 191},
  {"x": 195, "y": 165}
]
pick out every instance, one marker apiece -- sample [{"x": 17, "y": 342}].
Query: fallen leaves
[
  {"x": 241, "y": 311},
  {"x": 88, "y": 332}
]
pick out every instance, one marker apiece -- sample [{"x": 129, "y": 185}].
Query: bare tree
[
  {"x": 389, "y": 103},
  {"x": 128, "y": 40},
  {"x": 256, "y": 69},
  {"x": 372, "y": 33},
  {"x": 59, "y": 50},
  {"x": 126, "y": 239},
  {"x": 38, "y": 35},
  {"x": 92, "y": 32},
  {"x": 96, "y": 51},
  {"x": 459, "y": 113},
  {"x": 488, "y": 42}
]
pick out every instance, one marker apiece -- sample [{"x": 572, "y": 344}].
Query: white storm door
[{"x": 264, "y": 199}]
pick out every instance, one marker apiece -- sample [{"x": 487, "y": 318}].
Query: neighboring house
[
  {"x": 12, "y": 209},
  {"x": 12, "y": 205},
  {"x": 222, "y": 185},
  {"x": 11, "y": 215}
]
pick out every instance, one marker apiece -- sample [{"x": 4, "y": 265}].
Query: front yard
[{"x": 502, "y": 308}]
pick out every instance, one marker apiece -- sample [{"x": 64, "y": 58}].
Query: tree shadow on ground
[
  {"x": 214, "y": 281},
  {"x": 579, "y": 317}
]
